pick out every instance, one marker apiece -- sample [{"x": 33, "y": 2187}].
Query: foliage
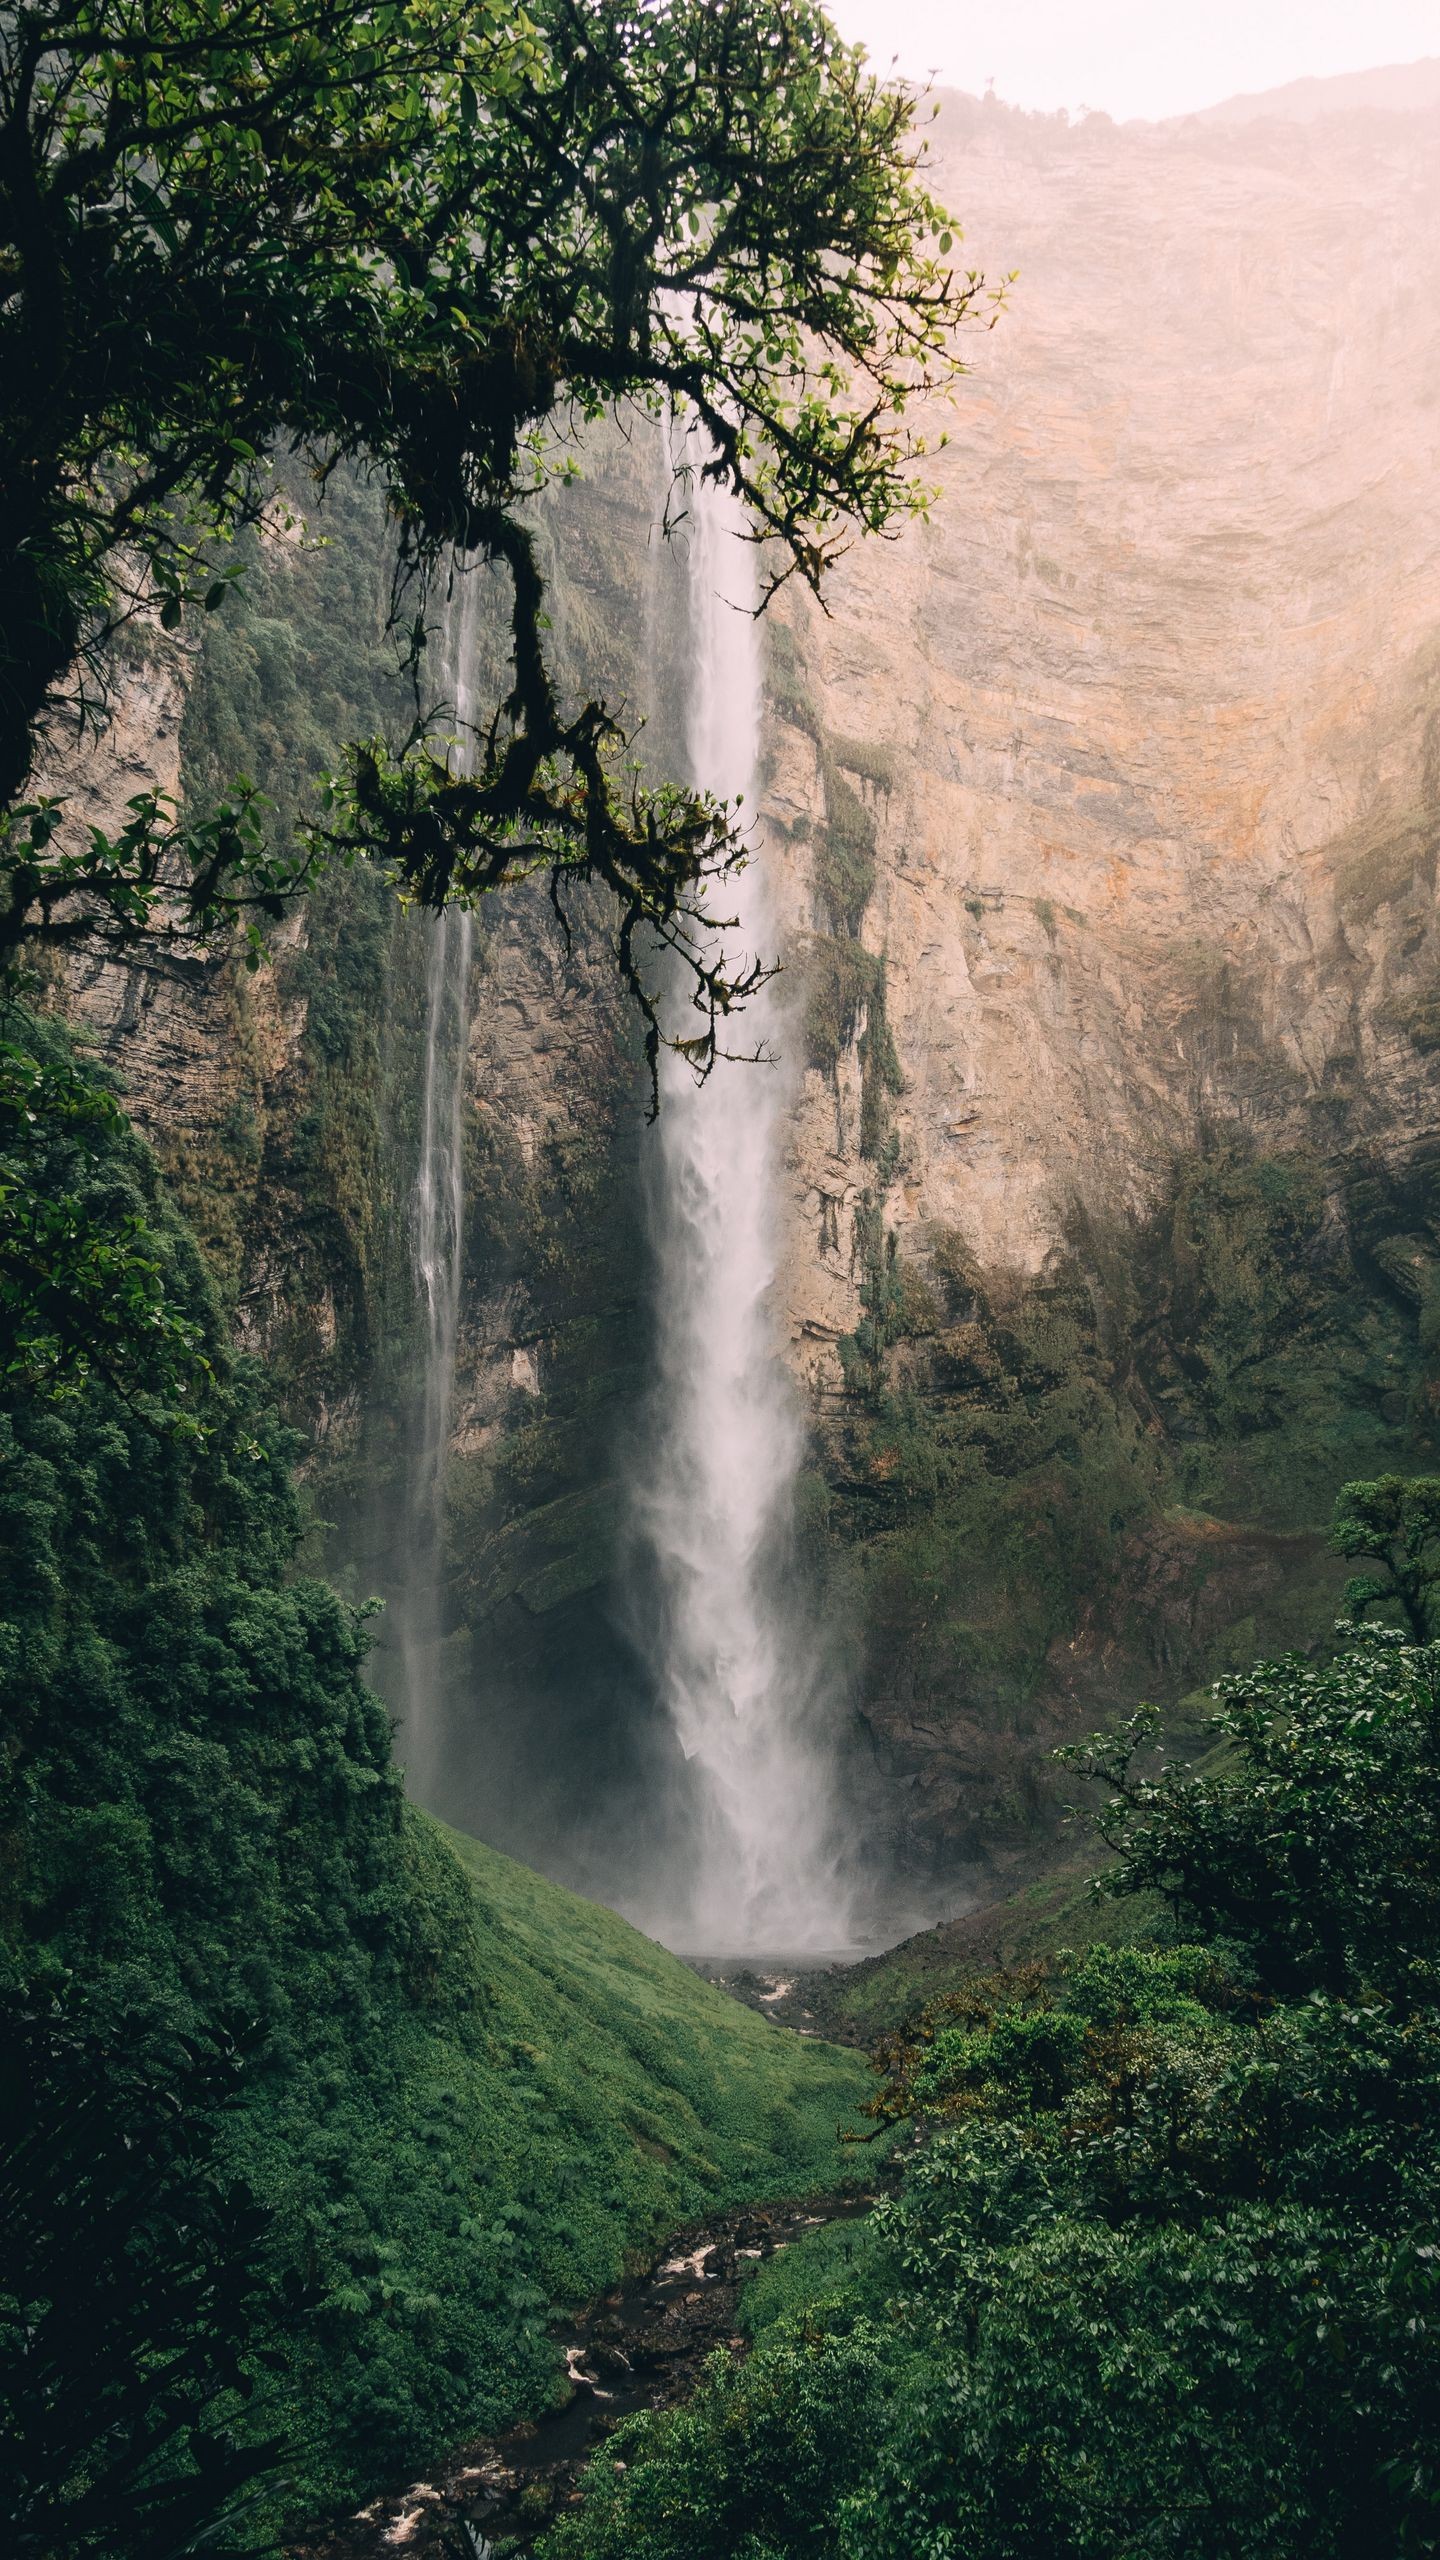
[
  {"x": 840, "y": 980},
  {"x": 982, "y": 1422},
  {"x": 843, "y": 2261},
  {"x": 750, "y": 2469},
  {"x": 417, "y": 240},
  {"x": 1230, "y": 1279},
  {"x": 1137, "y": 1474},
  {"x": 1318, "y": 1849},
  {"x": 129, "y": 2287},
  {"x": 429, "y": 244},
  {"x": 881, "y": 1078},
  {"x": 296, "y": 659},
  {"x": 115, "y": 888},
  {"x": 1394, "y": 1523},
  {"x": 845, "y": 855},
  {"x": 883, "y": 1994},
  {"x": 845, "y": 982},
  {"x": 468, "y": 2095},
  {"x": 1161, "y": 2275},
  {"x": 1021, "y": 2042},
  {"x": 1258, "y": 2381},
  {"x": 91, "y": 1275}
]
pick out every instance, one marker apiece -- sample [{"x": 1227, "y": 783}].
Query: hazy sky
[{"x": 1136, "y": 57}]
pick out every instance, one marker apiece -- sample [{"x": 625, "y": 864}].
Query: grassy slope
[
  {"x": 669, "y": 2096},
  {"x": 860, "y": 2003},
  {"x": 865, "y": 2001},
  {"x": 568, "y": 2097}
]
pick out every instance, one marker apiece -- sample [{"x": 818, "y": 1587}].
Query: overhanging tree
[{"x": 431, "y": 239}]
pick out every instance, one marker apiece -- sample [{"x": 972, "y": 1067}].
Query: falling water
[
  {"x": 734, "y": 1663},
  {"x": 437, "y": 1205}
]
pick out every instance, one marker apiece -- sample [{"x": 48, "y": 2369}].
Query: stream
[{"x": 640, "y": 2346}]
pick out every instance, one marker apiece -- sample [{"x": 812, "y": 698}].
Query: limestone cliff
[{"x": 1153, "y": 694}]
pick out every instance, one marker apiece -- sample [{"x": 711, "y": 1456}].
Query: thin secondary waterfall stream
[
  {"x": 735, "y": 1665},
  {"x": 437, "y": 1222},
  {"x": 436, "y": 1243}
]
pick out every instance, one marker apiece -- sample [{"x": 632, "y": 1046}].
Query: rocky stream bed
[{"x": 639, "y": 2346}]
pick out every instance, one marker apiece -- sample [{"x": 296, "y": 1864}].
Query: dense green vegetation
[
  {"x": 83, "y": 1275},
  {"x": 317, "y": 2112},
  {"x": 863, "y": 2003},
  {"x": 294, "y": 658},
  {"x": 1162, "y": 2279},
  {"x": 464, "y": 2097},
  {"x": 1394, "y": 1524},
  {"x": 1135, "y": 1453},
  {"x": 132, "y": 2296}
]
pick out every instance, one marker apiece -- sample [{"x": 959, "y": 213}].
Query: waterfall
[
  {"x": 734, "y": 1662},
  {"x": 438, "y": 1200},
  {"x": 437, "y": 1224},
  {"x": 437, "y": 1203}
]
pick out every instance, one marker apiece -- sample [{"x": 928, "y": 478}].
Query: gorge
[
  {"x": 1097, "y": 854},
  {"x": 553, "y": 1600}
]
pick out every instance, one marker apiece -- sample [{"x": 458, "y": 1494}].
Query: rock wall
[
  {"x": 1138, "y": 739},
  {"x": 265, "y": 1092},
  {"x": 1155, "y": 690}
]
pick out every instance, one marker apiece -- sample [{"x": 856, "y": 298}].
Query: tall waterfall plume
[{"x": 735, "y": 1663}]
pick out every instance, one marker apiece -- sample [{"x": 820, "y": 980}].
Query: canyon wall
[
  {"x": 1114, "y": 788},
  {"x": 1101, "y": 810},
  {"x": 1147, "y": 708}
]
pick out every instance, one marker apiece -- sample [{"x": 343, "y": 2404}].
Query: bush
[
  {"x": 1164, "y": 2284},
  {"x": 1317, "y": 1851},
  {"x": 459, "y": 2107}
]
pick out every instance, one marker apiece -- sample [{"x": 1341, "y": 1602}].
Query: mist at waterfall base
[{"x": 697, "y": 1768}]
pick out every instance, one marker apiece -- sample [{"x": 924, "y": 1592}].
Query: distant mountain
[{"x": 1400, "y": 87}]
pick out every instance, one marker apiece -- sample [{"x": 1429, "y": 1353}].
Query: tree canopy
[
  {"x": 130, "y": 2292},
  {"x": 434, "y": 240},
  {"x": 1393, "y": 1522},
  {"x": 428, "y": 242},
  {"x": 1316, "y": 1852},
  {"x": 1159, "y": 2281}
]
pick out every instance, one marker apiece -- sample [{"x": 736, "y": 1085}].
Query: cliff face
[
  {"x": 263, "y": 1093},
  {"x": 1155, "y": 692},
  {"x": 1102, "y": 811},
  {"x": 1135, "y": 746}
]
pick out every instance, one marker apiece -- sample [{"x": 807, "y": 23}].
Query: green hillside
[
  {"x": 459, "y": 2096},
  {"x": 862, "y": 2002},
  {"x": 681, "y": 2097}
]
